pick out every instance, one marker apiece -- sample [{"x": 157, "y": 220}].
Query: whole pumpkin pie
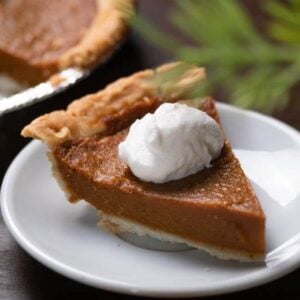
[
  {"x": 215, "y": 209},
  {"x": 38, "y": 38}
]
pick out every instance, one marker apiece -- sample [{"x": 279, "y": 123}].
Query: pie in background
[{"x": 39, "y": 38}]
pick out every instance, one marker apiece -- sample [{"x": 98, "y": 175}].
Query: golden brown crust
[
  {"x": 91, "y": 114},
  {"x": 120, "y": 225},
  {"x": 107, "y": 30}
]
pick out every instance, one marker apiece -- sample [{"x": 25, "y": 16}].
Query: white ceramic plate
[{"x": 65, "y": 237}]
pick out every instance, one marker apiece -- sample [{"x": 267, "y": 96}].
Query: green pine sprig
[{"x": 255, "y": 71}]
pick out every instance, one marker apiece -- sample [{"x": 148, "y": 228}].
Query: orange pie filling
[{"x": 34, "y": 34}]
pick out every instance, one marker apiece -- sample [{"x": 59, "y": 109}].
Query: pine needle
[{"x": 254, "y": 71}]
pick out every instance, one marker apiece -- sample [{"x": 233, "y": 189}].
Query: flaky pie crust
[
  {"x": 106, "y": 31},
  {"x": 89, "y": 115}
]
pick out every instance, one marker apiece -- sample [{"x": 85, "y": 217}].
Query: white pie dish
[{"x": 65, "y": 238}]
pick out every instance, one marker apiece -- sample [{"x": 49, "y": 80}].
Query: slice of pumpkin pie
[{"x": 214, "y": 209}]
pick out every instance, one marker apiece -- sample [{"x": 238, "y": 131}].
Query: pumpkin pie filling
[{"x": 35, "y": 34}]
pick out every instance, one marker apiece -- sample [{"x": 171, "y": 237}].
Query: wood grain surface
[{"x": 22, "y": 277}]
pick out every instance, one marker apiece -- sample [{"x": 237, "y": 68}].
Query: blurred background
[{"x": 250, "y": 49}]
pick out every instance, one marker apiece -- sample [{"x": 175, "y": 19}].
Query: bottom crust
[{"x": 117, "y": 225}]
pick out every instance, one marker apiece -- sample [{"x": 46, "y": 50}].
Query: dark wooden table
[{"x": 21, "y": 277}]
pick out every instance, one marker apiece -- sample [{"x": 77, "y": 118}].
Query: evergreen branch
[
  {"x": 285, "y": 24},
  {"x": 154, "y": 35},
  {"x": 253, "y": 71}
]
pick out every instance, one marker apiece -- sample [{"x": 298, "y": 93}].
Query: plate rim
[{"x": 251, "y": 280}]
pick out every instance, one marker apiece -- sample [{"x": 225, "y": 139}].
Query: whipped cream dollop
[{"x": 174, "y": 142}]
